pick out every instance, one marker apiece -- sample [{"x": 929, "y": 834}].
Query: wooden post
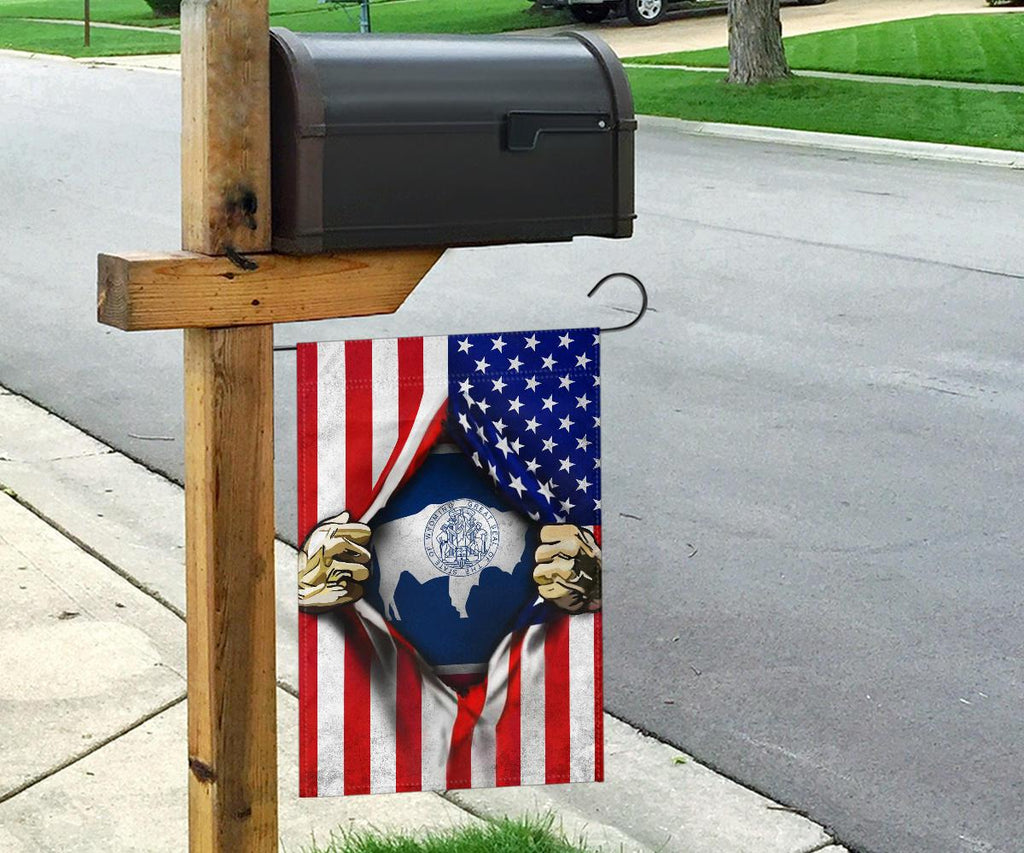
[
  {"x": 85, "y": 20},
  {"x": 227, "y": 308},
  {"x": 229, "y": 435}
]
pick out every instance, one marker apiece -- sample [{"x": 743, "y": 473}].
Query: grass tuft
[{"x": 534, "y": 835}]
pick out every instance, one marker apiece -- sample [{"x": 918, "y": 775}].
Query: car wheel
[
  {"x": 590, "y": 13},
  {"x": 643, "y": 13}
]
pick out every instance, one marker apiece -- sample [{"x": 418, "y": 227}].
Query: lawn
[
  {"x": 984, "y": 48},
  {"x": 426, "y": 16},
  {"x": 506, "y": 836},
  {"x": 66, "y": 39},
  {"x": 388, "y": 16},
  {"x": 135, "y": 12},
  {"x": 422, "y": 16},
  {"x": 924, "y": 113}
]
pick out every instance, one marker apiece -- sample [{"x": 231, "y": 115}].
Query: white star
[
  {"x": 484, "y": 406},
  {"x": 532, "y": 465},
  {"x": 549, "y": 362},
  {"x": 567, "y": 505},
  {"x": 566, "y": 423},
  {"x": 559, "y": 519},
  {"x": 532, "y": 424},
  {"x": 566, "y": 464},
  {"x": 564, "y": 340},
  {"x": 482, "y": 364},
  {"x": 465, "y": 346},
  {"x": 531, "y": 383},
  {"x": 582, "y": 402},
  {"x": 583, "y": 485},
  {"x": 535, "y": 516},
  {"x": 476, "y": 459},
  {"x": 480, "y": 432},
  {"x": 502, "y": 445},
  {"x": 545, "y": 492},
  {"x": 597, "y": 381},
  {"x": 597, "y": 421},
  {"x": 597, "y": 462},
  {"x": 549, "y": 444},
  {"x": 514, "y": 364},
  {"x": 597, "y": 339},
  {"x": 516, "y": 445},
  {"x": 549, "y": 404},
  {"x": 465, "y": 387},
  {"x": 582, "y": 360},
  {"x": 517, "y": 484},
  {"x": 515, "y": 405},
  {"x": 497, "y": 343},
  {"x": 583, "y": 443},
  {"x": 499, "y": 425},
  {"x": 565, "y": 382},
  {"x": 499, "y": 384},
  {"x": 597, "y": 505},
  {"x": 531, "y": 342},
  {"x": 493, "y": 472},
  {"x": 463, "y": 421}
]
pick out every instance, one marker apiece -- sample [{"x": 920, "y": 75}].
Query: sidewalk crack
[
  {"x": 53, "y": 771},
  {"x": 92, "y": 552}
]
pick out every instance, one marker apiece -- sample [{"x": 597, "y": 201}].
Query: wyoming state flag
[{"x": 450, "y": 576}]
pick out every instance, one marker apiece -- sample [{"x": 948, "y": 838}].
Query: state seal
[{"x": 461, "y": 537}]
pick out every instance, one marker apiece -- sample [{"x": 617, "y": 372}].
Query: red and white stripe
[{"x": 373, "y": 716}]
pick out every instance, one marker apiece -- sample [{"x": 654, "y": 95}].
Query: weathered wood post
[{"x": 226, "y": 306}]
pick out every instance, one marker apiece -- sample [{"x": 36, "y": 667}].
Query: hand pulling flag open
[{"x": 450, "y": 580}]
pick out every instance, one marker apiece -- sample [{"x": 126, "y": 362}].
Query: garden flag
[{"x": 450, "y": 576}]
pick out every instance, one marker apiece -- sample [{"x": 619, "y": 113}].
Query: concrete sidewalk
[{"x": 92, "y": 702}]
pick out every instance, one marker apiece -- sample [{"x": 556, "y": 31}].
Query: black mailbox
[{"x": 381, "y": 140}]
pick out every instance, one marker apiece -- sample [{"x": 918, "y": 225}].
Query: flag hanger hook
[
  {"x": 643, "y": 299},
  {"x": 640, "y": 314}
]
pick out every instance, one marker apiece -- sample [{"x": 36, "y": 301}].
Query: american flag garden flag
[{"x": 449, "y": 584}]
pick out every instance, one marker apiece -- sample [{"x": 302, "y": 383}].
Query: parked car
[{"x": 643, "y": 13}]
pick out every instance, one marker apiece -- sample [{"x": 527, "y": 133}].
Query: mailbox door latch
[{"x": 525, "y": 127}]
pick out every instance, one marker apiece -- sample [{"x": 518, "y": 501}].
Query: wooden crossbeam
[{"x": 185, "y": 290}]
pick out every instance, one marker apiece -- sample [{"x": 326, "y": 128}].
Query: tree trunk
[{"x": 756, "y": 53}]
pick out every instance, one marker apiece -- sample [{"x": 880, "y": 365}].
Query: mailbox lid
[
  {"x": 395, "y": 79},
  {"x": 350, "y": 92}
]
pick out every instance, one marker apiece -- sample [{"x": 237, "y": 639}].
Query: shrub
[{"x": 165, "y": 8}]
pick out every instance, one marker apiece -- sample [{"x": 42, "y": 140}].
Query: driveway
[{"x": 680, "y": 32}]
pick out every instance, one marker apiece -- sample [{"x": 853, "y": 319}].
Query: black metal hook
[
  {"x": 593, "y": 290},
  {"x": 643, "y": 299}
]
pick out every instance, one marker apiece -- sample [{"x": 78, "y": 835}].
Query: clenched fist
[
  {"x": 568, "y": 571},
  {"x": 333, "y": 564}
]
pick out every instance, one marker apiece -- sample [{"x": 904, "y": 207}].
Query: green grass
[
  {"x": 506, "y": 836},
  {"x": 422, "y": 16},
  {"x": 425, "y": 16},
  {"x": 983, "y": 48},
  {"x": 388, "y": 16},
  {"x": 135, "y": 12},
  {"x": 923, "y": 113},
  {"x": 67, "y": 40}
]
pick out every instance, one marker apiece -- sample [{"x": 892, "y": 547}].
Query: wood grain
[
  {"x": 229, "y": 514},
  {"x": 181, "y": 290},
  {"x": 225, "y": 132}
]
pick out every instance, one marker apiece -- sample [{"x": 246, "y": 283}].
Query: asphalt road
[{"x": 813, "y": 441}]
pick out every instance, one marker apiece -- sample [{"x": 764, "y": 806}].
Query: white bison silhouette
[{"x": 398, "y": 549}]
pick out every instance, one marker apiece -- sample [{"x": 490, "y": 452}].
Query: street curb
[{"x": 841, "y": 142}]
